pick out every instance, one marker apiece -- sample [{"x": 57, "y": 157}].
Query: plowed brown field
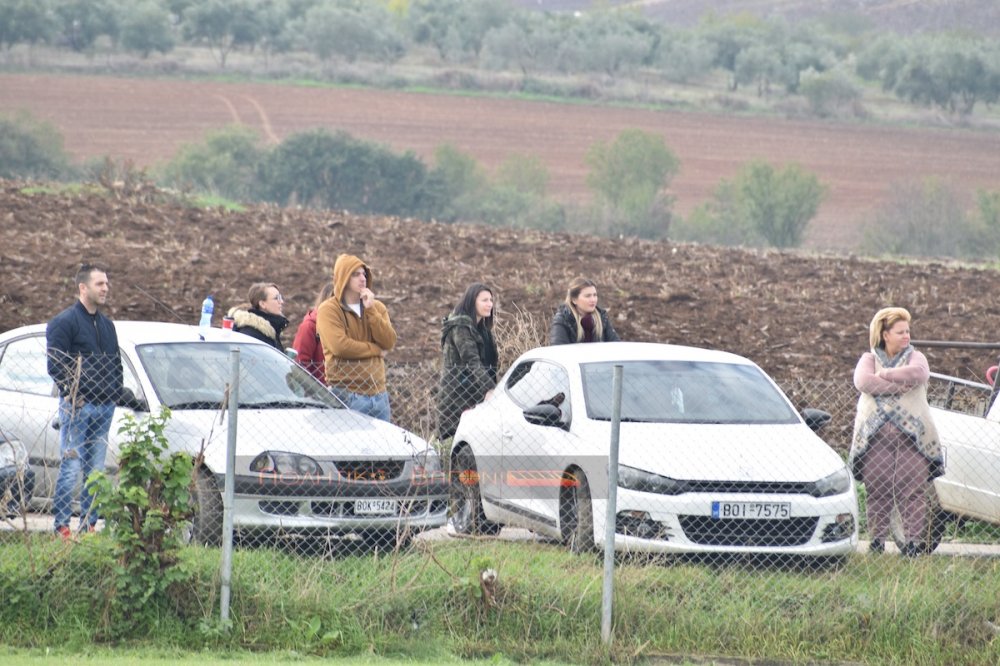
[
  {"x": 146, "y": 120},
  {"x": 798, "y": 315}
]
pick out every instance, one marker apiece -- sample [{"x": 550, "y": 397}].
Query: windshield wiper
[
  {"x": 197, "y": 404},
  {"x": 285, "y": 404}
]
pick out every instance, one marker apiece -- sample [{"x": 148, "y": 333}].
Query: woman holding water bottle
[{"x": 262, "y": 316}]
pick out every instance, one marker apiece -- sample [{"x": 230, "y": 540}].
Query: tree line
[{"x": 825, "y": 63}]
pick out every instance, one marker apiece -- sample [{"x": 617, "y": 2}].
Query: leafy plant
[
  {"x": 145, "y": 512},
  {"x": 629, "y": 177},
  {"x": 31, "y": 148}
]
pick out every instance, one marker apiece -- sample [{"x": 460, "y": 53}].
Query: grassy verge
[{"x": 427, "y": 604}]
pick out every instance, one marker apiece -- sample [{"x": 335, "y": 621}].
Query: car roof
[
  {"x": 631, "y": 351},
  {"x": 144, "y": 332}
]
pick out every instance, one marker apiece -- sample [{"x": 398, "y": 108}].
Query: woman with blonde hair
[
  {"x": 895, "y": 450},
  {"x": 261, "y": 317},
  {"x": 579, "y": 318}
]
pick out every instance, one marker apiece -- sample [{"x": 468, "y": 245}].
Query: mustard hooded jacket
[{"x": 353, "y": 346}]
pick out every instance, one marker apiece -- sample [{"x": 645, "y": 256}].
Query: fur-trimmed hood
[{"x": 258, "y": 324}]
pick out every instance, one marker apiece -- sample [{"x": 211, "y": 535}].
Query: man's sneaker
[
  {"x": 88, "y": 529},
  {"x": 64, "y": 533}
]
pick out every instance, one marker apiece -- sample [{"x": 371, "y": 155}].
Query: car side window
[
  {"x": 24, "y": 366},
  {"x": 539, "y": 383}
]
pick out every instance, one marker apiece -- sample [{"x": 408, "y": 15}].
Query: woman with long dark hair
[{"x": 469, "y": 357}]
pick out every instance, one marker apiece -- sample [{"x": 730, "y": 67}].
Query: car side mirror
[
  {"x": 815, "y": 418},
  {"x": 544, "y": 415},
  {"x": 128, "y": 400}
]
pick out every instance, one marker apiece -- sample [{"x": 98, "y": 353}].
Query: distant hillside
[{"x": 903, "y": 16}]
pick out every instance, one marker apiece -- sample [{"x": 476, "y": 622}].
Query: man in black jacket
[{"x": 84, "y": 362}]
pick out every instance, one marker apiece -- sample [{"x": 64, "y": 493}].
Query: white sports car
[
  {"x": 305, "y": 464},
  {"x": 713, "y": 456}
]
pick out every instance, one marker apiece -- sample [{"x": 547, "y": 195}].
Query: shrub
[
  {"x": 923, "y": 219},
  {"x": 145, "y": 513},
  {"x": 31, "y": 148},
  {"x": 225, "y": 163},
  {"x": 629, "y": 177},
  {"x": 761, "y": 206},
  {"x": 830, "y": 93},
  {"x": 334, "y": 170}
]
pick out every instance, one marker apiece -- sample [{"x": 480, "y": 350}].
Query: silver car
[{"x": 305, "y": 464}]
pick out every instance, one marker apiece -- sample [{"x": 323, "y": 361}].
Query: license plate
[
  {"x": 751, "y": 510},
  {"x": 369, "y": 507}
]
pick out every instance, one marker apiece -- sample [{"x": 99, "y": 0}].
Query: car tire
[
  {"x": 206, "y": 525},
  {"x": 465, "y": 511},
  {"x": 937, "y": 523},
  {"x": 576, "y": 515}
]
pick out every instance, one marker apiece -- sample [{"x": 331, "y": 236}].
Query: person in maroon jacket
[{"x": 307, "y": 344}]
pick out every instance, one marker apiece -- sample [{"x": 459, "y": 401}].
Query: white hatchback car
[
  {"x": 305, "y": 464},
  {"x": 713, "y": 456}
]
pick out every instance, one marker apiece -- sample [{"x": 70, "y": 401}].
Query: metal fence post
[
  {"x": 230, "y": 485},
  {"x": 609, "y": 525}
]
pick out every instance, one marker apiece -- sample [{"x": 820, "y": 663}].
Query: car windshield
[
  {"x": 194, "y": 375},
  {"x": 686, "y": 392}
]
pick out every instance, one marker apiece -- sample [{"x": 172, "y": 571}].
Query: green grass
[{"x": 424, "y": 605}]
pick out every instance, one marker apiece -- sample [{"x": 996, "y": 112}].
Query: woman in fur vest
[
  {"x": 262, "y": 316},
  {"x": 895, "y": 451}
]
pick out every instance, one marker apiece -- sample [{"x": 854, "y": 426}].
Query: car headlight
[
  {"x": 284, "y": 463},
  {"x": 12, "y": 453},
  {"x": 835, "y": 484},
  {"x": 647, "y": 482}
]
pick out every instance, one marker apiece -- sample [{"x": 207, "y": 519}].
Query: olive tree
[
  {"x": 146, "y": 28},
  {"x": 629, "y": 177}
]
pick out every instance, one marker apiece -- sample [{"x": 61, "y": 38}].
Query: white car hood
[
  {"x": 727, "y": 452},
  {"x": 320, "y": 433}
]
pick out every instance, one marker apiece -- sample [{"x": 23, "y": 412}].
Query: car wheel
[
  {"x": 466, "y": 504},
  {"x": 576, "y": 515},
  {"x": 937, "y": 523},
  {"x": 206, "y": 525}
]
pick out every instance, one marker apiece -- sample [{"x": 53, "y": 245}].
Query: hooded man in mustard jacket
[{"x": 356, "y": 334}]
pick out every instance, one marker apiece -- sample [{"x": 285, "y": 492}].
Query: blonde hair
[
  {"x": 572, "y": 293},
  {"x": 883, "y": 320}
]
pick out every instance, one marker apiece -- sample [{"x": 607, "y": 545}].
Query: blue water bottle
[{"x": 207, "y": 308}]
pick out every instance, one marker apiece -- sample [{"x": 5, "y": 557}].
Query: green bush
[
  {"x": 321, "y": 169},
  {"x": 830, "y": 93},
  {"x": 761, "y": 206},
  {"x": 928, "y": 219},
  {"x": 146, "y": 511},
  {"x": 31, "y": 148},
  {"x": 629, "y": 177},
  {"x": 224, "y": 163}
]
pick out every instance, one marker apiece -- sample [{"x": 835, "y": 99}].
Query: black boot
[
  {"x": 876, "y": 547},
  {"x": 911, "y": 549}
]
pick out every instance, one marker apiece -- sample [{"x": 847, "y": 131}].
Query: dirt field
[
  {"x": 146, "y": 120},
  {"x": 798, "y": 315}
]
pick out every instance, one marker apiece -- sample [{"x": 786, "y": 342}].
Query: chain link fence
[{"x": 714, "y": 464}]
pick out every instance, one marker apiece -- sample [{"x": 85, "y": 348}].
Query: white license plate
[
  {"x": 369, "y": 507},
  {"x": 751, "y": 510}
]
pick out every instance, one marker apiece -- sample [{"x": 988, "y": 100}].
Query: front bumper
[
  {"x": 336, "y": 505},
  {"x": 685, "y": 524}
]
